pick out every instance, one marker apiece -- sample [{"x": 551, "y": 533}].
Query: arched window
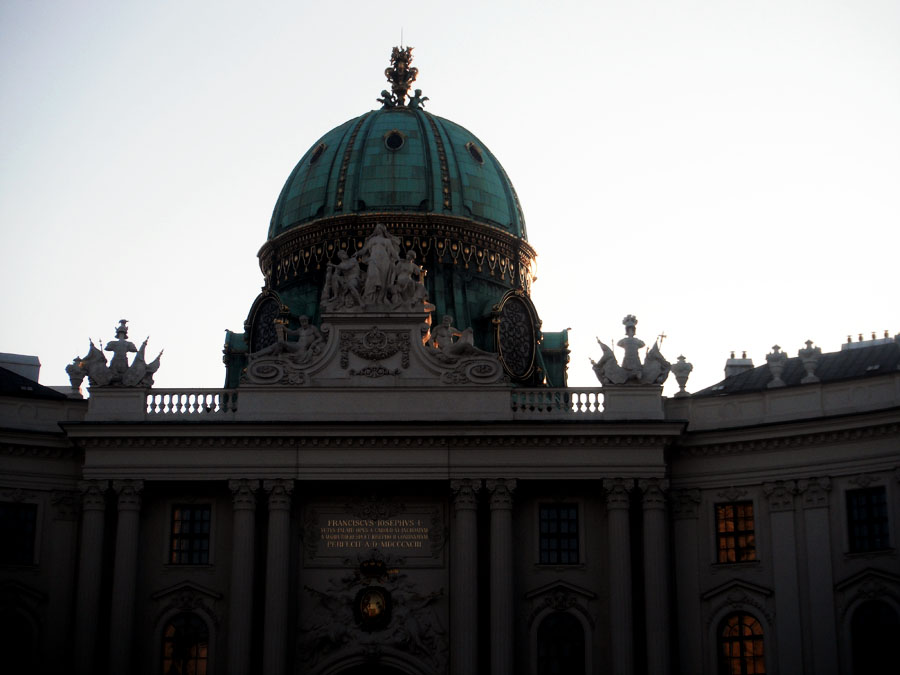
[
  {"x": 874, "y": 634},
  {"x": 560, "y": 645},
  {"x": 185, "y": 645},
  {"x": 741, "y": 646}
]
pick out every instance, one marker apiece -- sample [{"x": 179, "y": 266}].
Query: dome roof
[{"x": 398, "y": 159}]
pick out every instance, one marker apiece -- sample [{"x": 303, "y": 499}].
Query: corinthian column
[
  {"x": 620, "y": 613},
  {"x": 656, "y": 575},
  {"x": 124, "y": 575},
  {"x": 240, "y": 606},
  {"x": 90, "y": 571},
  {"x": 464, "y": 578},
  {"x": 501, "y": 491},
  {"x": 277, "y": 572}
]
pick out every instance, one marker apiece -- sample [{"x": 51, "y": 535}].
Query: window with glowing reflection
[
  {"x": 735, "y": 534},
  {"x": 185, "y": 646},
  {"x": 189, "y": 542},
  {"x": 741, "y": 649}
]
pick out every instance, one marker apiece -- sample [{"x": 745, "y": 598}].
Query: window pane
[{"x": 735, "y": 536}]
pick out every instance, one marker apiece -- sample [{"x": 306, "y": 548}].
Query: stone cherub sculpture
[
  {"x": 118, "y": 373},
  {"x": 654, "y": 370}
]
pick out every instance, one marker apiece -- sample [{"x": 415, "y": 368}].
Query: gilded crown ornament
[{"x": 401, "y": 75}]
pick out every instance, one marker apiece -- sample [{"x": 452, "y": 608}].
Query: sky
[{"x": 728, "y": 171}]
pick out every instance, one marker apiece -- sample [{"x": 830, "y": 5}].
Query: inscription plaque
[{"x": 334, "y": 535}]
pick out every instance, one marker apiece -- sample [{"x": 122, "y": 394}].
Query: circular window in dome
[
  {"x": 475, "y": 152},
  {"x": 317, "y": 153},
  {"x": 394, "y": 140}
]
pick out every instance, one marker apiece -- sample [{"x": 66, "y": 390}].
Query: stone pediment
[{"x": 376, "y": 350}]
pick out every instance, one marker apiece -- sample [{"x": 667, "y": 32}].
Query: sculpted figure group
[
  {"x": 389, "y": 283},
  {"x": 118, "y": 373},
  {"x": 654, "y": 370}
]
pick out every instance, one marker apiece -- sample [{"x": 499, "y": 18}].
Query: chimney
[
  {"x": 26, "y": 366},
  {"x": 733, "y": 366}
]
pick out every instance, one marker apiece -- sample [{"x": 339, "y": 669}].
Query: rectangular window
[
  {"x": 559, "y": 534},
  {"x": 735, "y": 532},
  {"x": 190, "y": 534},
  {"x": 867, "y": 518},
  {"x": 18, "y": 523}
]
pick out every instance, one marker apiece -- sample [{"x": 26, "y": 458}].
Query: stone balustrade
[
  {"x": 571, "y": 401},
  {"x": 191, "y": 402}
]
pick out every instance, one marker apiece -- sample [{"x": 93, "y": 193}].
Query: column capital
[
  {"x": 617, "y": 492},
  {"x": 814, "y": 491},
  {"x": 653, "y": 491},
  {"x": 65, "y": 506},
  {"x": 243, "y": 493},
  {"x": 501, "y": 492},
  {"x": 129, "y": 492},
  {"x": 780, "y": 494},
  {"x": 93, "y": 494},
  {"x": 465, "y": 493},
  {"x": 685, "y": 503},
  {"x": 279, "y": 491}
]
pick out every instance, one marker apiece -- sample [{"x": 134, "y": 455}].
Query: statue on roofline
[
  {"x": 118, "y": 373},
  {"x": 654, "y": 370}
]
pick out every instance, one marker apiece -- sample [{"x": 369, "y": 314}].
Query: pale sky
[{"x": 728, "y": 171}]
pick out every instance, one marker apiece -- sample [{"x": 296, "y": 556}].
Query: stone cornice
[
  {"x": 144, "y": 438},
  {"x": 783, "y": 439}
]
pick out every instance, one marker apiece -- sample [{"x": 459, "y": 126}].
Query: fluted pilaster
[
  {"x": 502, "y": 589},
  {"x": 90, "y": 571},
  {"x": 788, "y": 630},
  {"x": 240, "y": 605},
  {"x": 124, "y": 575},
  {"x": 656, "y": 574},
  {"x": 685, "y": 508},
  {"x": 620, "y": 611},
  {"x": 65, "y": 528},
  {"x": 278, "y": 560},
  {"x": 819, "y": 575},
  {"x": 464, "y": 576}
]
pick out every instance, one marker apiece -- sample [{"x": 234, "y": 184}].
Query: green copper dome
[{"x": 398, "y": 159}]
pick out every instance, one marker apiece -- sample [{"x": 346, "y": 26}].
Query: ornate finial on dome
[{"x": 401, "y": 75}]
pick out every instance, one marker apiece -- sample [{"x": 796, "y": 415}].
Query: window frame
[
  {"x": 169, "y": 523},
  {"x": 735, "y": 533},
  {"x": 540, "y": 505},
  {"x": 163, "y": 638},
  {"x": 849, "y": 522},
  {"x": 721, "y": 640}
]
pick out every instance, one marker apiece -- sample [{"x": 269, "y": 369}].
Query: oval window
[
  {"x": 394, "y": 140},
  {"x": 475, "y": 152}
]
